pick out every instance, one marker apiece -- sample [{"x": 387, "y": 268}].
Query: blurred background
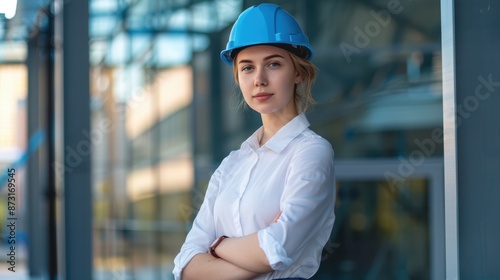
[{"x": 162, "y": 112}]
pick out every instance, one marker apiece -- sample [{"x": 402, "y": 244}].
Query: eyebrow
[{"x": 265, "y": 58}]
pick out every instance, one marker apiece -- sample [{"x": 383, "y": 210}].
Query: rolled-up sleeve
[
  {"x": 307, "y": 206},
  {"x": 202, "y": 233}
]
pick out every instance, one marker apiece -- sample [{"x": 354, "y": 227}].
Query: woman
[{"x": 268, "y": 209}]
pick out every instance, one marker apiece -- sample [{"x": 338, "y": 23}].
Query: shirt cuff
[
  {"x": 275, "y": 253},
  {"x": 182, "y": 259}
]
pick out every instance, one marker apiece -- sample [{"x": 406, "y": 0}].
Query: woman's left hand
[{"x": 277, "y": 217}]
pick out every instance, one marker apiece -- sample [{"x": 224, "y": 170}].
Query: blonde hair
[{"x": 303, "y": 90}]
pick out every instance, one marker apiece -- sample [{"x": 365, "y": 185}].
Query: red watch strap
[{"x": 212, "y": 248}]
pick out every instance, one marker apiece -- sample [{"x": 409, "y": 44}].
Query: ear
[{"x": 298, "y": 77}]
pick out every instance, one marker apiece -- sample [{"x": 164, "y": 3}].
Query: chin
[{"x": 262, "y": 110}]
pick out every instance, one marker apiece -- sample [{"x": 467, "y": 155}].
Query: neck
[{"x": 272, "y": 123}]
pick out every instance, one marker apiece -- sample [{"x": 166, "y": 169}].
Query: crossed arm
[
  {"x": 240, "y": 258},
  {"x": 205, "y": 266}
]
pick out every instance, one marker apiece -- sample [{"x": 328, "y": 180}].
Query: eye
[
  {"x": 246, "y": 68},
  {"x": 274, "y": 64}
]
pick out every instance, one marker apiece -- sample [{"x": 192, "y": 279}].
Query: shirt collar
[{"x": 283, "y": 137}]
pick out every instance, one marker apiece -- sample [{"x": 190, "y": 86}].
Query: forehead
[{"x": 261, "y": 52}]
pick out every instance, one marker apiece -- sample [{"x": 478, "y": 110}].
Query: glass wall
[
  {"x": 381, "y": 232},
  {"x": 142, "y": 107},
  {"x": 165, "y": 113}
]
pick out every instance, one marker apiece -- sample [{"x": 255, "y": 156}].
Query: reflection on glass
[{"x": 381, "y": 232}]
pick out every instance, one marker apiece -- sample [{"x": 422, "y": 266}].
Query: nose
[{"x": 260, "y": 78}]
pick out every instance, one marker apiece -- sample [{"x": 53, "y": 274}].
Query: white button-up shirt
[{"x": 292, "y": 172}]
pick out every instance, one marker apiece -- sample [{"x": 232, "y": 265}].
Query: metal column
[
  {"x": 37, "y": 166},
  {"x": 472, "y": 153},
  {"x": 73, "y": 75}
]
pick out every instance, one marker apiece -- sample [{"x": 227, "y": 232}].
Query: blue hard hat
[{"x": 266, "y": 24}]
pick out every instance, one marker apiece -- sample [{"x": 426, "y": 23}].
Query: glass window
[
  {"x": 142, "y": 95},
  {"x": 381, "y": 232}
]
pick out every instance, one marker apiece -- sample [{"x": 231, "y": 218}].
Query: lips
[{"x": 262, "y": 96}]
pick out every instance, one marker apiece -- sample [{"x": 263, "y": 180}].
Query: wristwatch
[{"x": 216, "y": 243}]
